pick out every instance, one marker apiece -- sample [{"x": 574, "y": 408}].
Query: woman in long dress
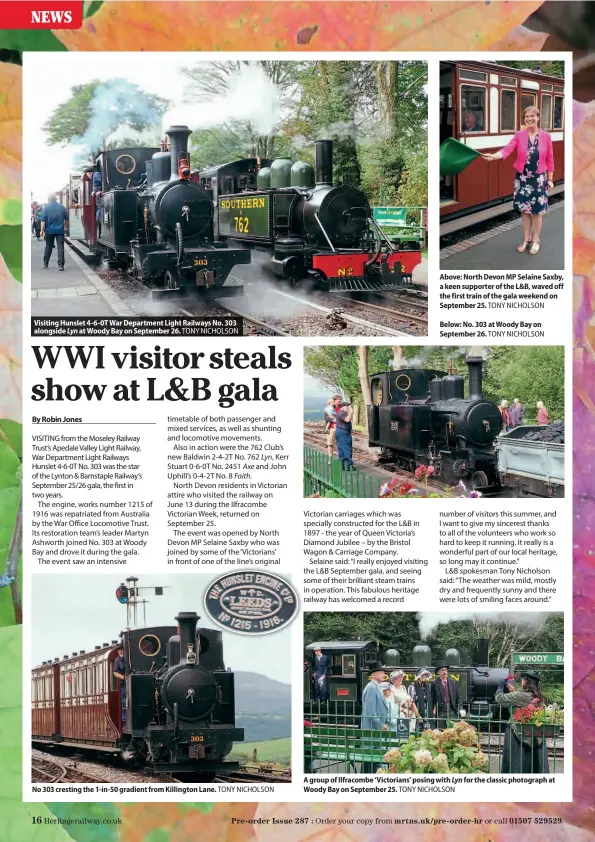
[
  {"x": 524, "y": 751},
  {"x": 403, "y": 705}
]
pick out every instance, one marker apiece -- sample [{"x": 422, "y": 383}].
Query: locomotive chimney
[
  {"x": 475, "y": 365},
  {"x": 178, "y": 136},
  {"x": 187, "y": 621},
  {"x": 324, "y": 162},
  {"x": 481, "y": 652}
]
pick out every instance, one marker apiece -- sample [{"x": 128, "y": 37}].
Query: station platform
[
  {"x": 76, "y": 292},
  {"x": 496, "y": 249}
]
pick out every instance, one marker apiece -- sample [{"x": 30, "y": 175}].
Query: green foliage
[
  {"x": 14, "y": 42},
  {"x": 375, "y": 112},
  {"x": 553, "y": 694},
  {"x": 530, "y": 373},
  {"x": 549, "y": 68},
  {"x": 71, "y": 119},
  {"x": 269, "y": 751},
  {"x": 400, "y": 630},
  {"x": 11, "y": 248},
  {"x": 10, "y": 495}
]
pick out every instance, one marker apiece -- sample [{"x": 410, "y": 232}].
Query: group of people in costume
[{"x": 430, "y": 703}]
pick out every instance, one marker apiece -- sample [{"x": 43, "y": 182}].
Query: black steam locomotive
[
  {"x": 176, "y": 711},
  {"x": 313, "y": 229},
  {"x": 348, "y": 676},
  {"x": 421, "y": 417},
  {"x": 150, "y": 217}
]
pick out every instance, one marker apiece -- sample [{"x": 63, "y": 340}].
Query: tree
[
  {"x": 362, "y": 371},
  {"x": 96, "y": 109}
]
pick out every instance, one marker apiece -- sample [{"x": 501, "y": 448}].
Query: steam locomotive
[
  {"x": 421, "y": 416},
  {"x": 312, "y": 228},
  {"x": 348, "y": 668},
  {"x": 177, "y": 713},
  {"x": 143, "y": 212}
]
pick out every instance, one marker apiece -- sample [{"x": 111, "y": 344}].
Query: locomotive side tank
[{"x": 421, "y": 417}]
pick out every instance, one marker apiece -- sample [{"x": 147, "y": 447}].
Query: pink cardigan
[{"x": 520, "y": 142}]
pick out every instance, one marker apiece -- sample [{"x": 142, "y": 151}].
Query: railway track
[
  {"x": 47, "y": 771},
  {"x": 417, "y": 317}
]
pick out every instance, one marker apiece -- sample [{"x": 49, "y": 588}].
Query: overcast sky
[
  {"x": 74, "y": 612},
  {"x": 50, "y": 165}
]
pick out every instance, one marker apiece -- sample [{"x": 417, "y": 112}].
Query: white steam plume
[{"x": 430, "y": 620}]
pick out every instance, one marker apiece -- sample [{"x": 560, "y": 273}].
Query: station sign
[
  {"x": 533, "y": 658},
  {"x": 390, "y": 216}
]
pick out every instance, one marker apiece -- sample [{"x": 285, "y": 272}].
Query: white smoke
[
  {"x": 430, "y": 620},
  {"x": 251, "y": 96}
]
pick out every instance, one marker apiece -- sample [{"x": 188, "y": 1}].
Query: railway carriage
[
  {"x": 179, "y": 700},
  {"x": 481, "y": 105}
]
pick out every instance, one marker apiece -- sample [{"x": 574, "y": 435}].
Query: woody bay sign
[{"x": 537, "y": 658}]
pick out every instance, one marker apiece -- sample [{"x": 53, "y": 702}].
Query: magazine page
[{"x": 292, "y": 378}]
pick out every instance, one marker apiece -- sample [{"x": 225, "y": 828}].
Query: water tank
[
  {"x": 392, "y": 658},
  {"x": 452, "y": 657},
  {"x": 436, "y": 389},
  {"x": 161, "y": 166},
  {"x": 263, "y": 178},
  {"x": 149, "y": 170},
  {"x": 453, "y": 386},
  {"x": 421, "y": 656},
  {"x": 302, "y": 175},
  {"x": 281, "y": 172}
]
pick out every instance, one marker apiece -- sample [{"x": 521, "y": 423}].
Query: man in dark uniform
[
  {"x": 54, "y": 223},
  {"x": 320, "y": 670},
  {"x": 421, "y": 693},
  {"x": 119, "y": 671},
  {"x": 446, "y": 697}
]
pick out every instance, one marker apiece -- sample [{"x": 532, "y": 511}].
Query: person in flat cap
[
  {"x": 446, "y": 698},
  {"x": 421, "y": 693},
  {"x": 524, "y": 749},
  {"x": 375, "y": 711}
]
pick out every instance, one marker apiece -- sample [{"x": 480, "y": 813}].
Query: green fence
[
  {"x": 335, "y": 742},
  {"x": 323, "y": 478}
]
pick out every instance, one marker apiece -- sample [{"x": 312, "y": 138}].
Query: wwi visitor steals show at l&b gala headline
[{"x": 259, "y": 610}]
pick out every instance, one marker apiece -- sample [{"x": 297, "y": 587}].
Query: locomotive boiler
[
  {"x": 176, "y": 711},
  {"x": 422, "y": 417},
  {"x": 311, "y": 227}
]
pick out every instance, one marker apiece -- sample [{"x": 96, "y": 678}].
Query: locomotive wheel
[
  {"x": 170, "y": 281},
  {"x": 479, "y": 479}
]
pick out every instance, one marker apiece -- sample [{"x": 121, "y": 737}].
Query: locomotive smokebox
[
  {"x": 187, "y": 621},
  {"x": 475, "y": 365},
  {"x": 178, "y": 136},
  {"x": 324, "y": 162},
  {"x": 481, "y": 651}
]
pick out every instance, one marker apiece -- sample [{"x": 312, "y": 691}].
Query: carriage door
[
  {"x": 377, "y": 390},
  {"x": 447, "y": 125}
]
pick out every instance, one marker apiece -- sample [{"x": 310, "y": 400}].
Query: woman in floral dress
[{"x": 533, "y": 178}]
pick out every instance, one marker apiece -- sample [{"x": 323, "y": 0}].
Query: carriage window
[
  {"x": 547, "y": 87},
  {"x": 558, "y": 90},
  {"x": 508, "y": 111},
  {"x": 473, "y": 109},
  {"x": 377, "y": 392},
  {"x": 34, "y": 690},
  {"x": 546, "y": 111},
  {"x": 473, "y": 75},
  {"x": 558, "y": 112},
  {"x": 527, "y": 100},
  {"x": 348, "y": 666},
  {"x": 508, "y": 80}
]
